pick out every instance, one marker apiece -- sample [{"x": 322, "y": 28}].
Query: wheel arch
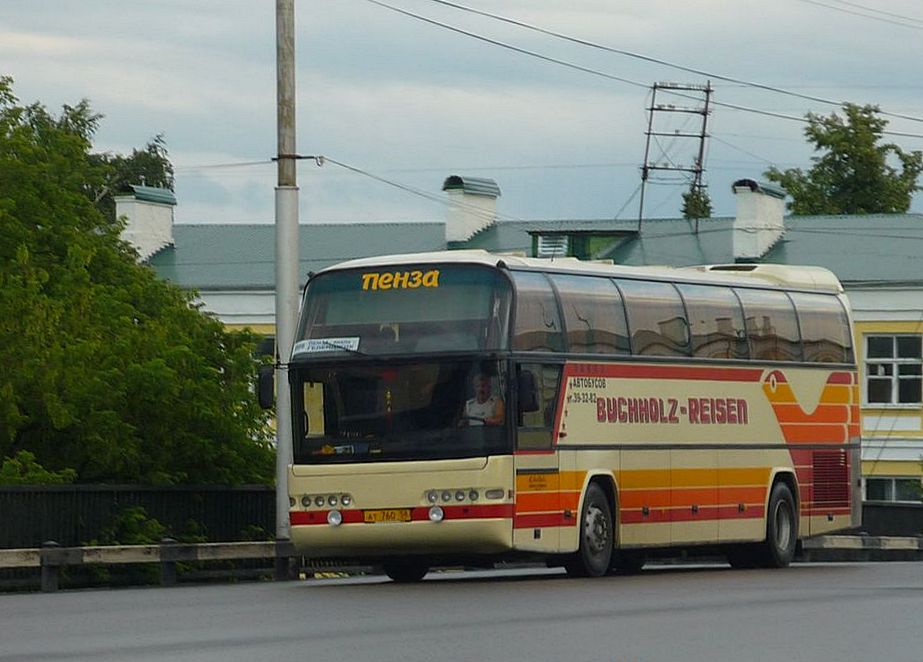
[
  {"x": 783, "y": 475},
  {"x": 606, "y": 480},
  {"x": 787, "y": 476}
]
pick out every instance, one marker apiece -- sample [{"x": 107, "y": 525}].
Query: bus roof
[{"x": 771, "y": 275}]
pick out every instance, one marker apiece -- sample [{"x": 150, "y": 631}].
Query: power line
[
  {"x": 602, "y": 74},
  {"x": 495, "y": 42},
  {"x": 474, "y": 209},
  {"x": 647, "y": 58},
  {"x": 868, "y": 16},
  {"x": 880, "y": 11}
]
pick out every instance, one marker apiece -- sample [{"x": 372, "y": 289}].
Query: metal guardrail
[
  {"x": 863, "y": 548},
  {"x": 52, "y": 557}
]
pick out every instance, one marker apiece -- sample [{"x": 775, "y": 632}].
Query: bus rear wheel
[
  {"x": 596, "y": 536},
  {"x": 405, "y": 572},
  {"x": 778, "y": 549}
]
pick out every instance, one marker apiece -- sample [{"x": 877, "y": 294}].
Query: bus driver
[{"x": 484, "y": 408}]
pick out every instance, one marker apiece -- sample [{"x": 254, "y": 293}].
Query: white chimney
[
  {"x": 472, "y": 206},
  {"x": 149, "y": 218},
  {"x": 759, "y": 223}
]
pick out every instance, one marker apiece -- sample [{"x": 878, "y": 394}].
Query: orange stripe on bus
[
  {"x": 823, "y": 414},
  {"x": 796, "y": 433},
  {"x": 541, "y": 502},
  {"x": 709, "y": 496},
  {"x": 537, "y": 482}
]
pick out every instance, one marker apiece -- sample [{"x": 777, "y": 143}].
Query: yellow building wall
[{"x": 893, "y": 422}]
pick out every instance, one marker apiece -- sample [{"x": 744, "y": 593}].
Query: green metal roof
[
  {"x": 472, "y": 185},
  {"x": 768, "y": 188},
  {"x": 232, "y": 256},
  {"x": 860, "y": 250},
  {"x": 153, "y": 194}
]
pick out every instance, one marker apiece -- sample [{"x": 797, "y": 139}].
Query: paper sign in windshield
[{"x": 315, "y": 345}]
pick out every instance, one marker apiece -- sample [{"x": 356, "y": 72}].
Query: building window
[
  {"x": 893, "y": 489},
  {"x": 893, "y": 369}
]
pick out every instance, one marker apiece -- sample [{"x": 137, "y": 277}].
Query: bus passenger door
[{"x": 538, "y": 513}]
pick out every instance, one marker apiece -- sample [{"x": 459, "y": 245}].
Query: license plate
[{"x": 394, "y": 515}]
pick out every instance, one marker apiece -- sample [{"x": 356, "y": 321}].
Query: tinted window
[
  {"x": 772, "y": 327},
  {"x": 824, "y": 328},
  {"x": 593, "y": 314},
  {"x": 535, "y": 427},
  {"x": 656, "y": 318},
  {"x": 404, "y": 308},
  {"x": 538, "y": 325},
  {"x": 716, "y": 322}
]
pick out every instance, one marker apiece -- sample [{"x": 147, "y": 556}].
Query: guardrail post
[
  {"x": 51, "y": 561},
  {"x": 167, "y": 562},
  {"x": 286, "y": 568}
]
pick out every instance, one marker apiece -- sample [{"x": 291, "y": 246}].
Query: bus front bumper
[{"x": 360, "y": 539}]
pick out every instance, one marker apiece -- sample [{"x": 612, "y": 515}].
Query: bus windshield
[
  {"x": 404, "y": 310},
  {"x": 402, "y": 411}
]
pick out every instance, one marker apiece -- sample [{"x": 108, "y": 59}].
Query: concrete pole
[{"x": 286, "y": 254}]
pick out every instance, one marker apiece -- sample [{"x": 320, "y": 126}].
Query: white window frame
[
  {"x": 895, "y": 362},
  {"x": 892, "y": 489}
]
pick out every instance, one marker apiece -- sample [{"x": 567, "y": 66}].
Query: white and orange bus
[{"x": 460, "y": 408}]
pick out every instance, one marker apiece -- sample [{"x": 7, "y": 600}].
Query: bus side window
[
  {"x": 593, "y": 314},
  {"x": 716, "y": 322},
  {"x": 656, "y": 318},
  {"x": 538, "y": 324},
  {"x": 824, "y": 328},
  {"x": 535, "y": 427},
  {"x": 772, "y": 327}
]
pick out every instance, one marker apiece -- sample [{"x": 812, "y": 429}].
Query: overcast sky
[{"x": 412, "y": 103}]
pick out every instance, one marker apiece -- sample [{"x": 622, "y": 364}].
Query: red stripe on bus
[
  {"x": 665, "y": 372},
  {"x": 418, "y": 514},
  {"x": 543, "y": 520},
  {"x": 840, "y": 378}
]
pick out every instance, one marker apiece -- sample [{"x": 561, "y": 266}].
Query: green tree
[
  {"x": 150, "y": 166},
  {"x": 107, "y": 370},
  {"x": 24, "y": 470},
  {"x": 696, "y": 203},
  {"x": 855, "y": 173}
]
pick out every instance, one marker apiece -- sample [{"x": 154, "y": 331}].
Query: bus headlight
[
  {"x": 318, "y": 501},
  {"x": 291, "y": 502},
  {"x": 346, "y": 499},
  {"x": 436, "y": 514},
  {"x": 473, "y": 495},
  {"x": 334, "y": 518},
  {"x": 446, "y": 495},
  {"x": 459, "y": 495},
  {"x": 332, "y": 500},
  {"x": 432, "y": 496},
  {"x": 494, "y": 494},
  {"x": 306, "y": 501}
]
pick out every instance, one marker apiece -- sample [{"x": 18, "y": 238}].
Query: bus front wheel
[
  {"x": 596, "y": 535},
  {"x": 405, "y": 572}
]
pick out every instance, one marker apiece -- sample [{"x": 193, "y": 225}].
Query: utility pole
[
  {"x": 698, "y": 167},
  {"x": 286, "y": 261}
]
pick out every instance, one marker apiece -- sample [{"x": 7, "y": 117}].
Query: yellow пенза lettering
[{"x": 399, "y": 280}]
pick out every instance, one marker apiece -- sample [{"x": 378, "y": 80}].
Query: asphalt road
[{"x": 838, "y": 612}]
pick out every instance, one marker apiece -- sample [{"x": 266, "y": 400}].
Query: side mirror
[
  {"x": 528, "y": 393},
  {"x": 266, "y": 387}
]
